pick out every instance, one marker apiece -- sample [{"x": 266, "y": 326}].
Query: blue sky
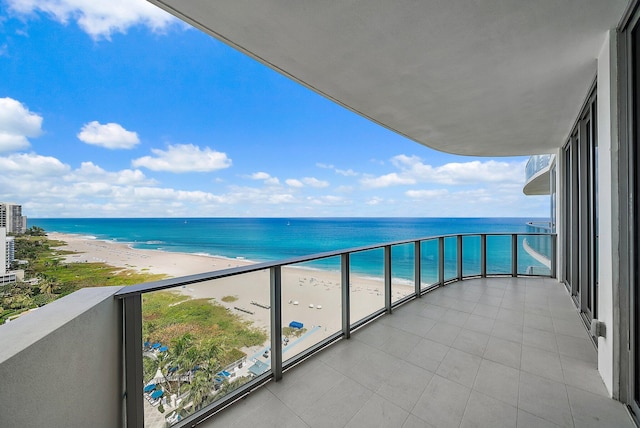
[{"x": 109, "y": 111}]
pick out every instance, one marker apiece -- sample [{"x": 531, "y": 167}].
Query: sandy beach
[{"x": 309, "y": 296}]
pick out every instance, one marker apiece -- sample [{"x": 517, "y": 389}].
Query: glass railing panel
[
  {"x": 534, "y": 254},
  {"x": 429, "y": 262},
  {"x": 202, "y": 341},
  {"x": 366, "y": 279},
  {"x": 311, "y": 304},
  {"x": 402, "y": 271},
  {"x": 450, "y": 258},
  {"x": 536, "y": 164},
  {"x": 499, "y": 254},
  {"x": 471, "y": 255}
]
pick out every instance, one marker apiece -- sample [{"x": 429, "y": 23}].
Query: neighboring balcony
[
  {"x": 470, "y": 340},
  {"x": 537, "y": 174}
]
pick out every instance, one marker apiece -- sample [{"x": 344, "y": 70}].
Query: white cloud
[
  {"x": 109, "y": 136},
  {"x": 314, "y": 182},
  {"x": 375, "y": 201},
  {"x": 412, "y": 170},
  {"x": 292, "y": 182},
  {"x": 267, "y": 178},
  {"x": 99, "y": 19},
  {"x": 427, "y": 194},
  {"x": 330, "y": 200},
  {"x": 345, "y": 172},
  {"x": 181, "y": 158},
  {"x": 392, "y": 179},
  {"x": 17, "y": 124}
]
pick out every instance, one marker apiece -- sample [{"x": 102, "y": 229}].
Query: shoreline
[{"x": 309, "y": 295}]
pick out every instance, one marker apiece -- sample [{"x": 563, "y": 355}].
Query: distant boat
[{"x": 288, "y": 223}]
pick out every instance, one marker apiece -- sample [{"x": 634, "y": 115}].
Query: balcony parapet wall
[{"x": 61, "y": 365}]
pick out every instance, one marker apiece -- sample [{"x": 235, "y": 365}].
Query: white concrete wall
[
  {"x": 61, "y": 365},
  {"x": 608, "y": 215}
]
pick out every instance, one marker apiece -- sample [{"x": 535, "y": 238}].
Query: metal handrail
[{"x": 132, "y": 308}]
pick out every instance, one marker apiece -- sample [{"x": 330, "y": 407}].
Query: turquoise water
[{"x": 269, "y": 239}]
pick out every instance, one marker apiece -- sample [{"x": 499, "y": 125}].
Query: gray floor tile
[
  {"x": 434, "y": 312},
  {"x": 577, "y": 347},
  {"x": 443, "y": 333},
  {"x": 489, "y": 300},
  {"x": 510, "y": 316},
  {"x": 405, "y": 384},
  {"x": 527, "y": 420},
  {"x": 471, "y": 342},
  {"x": 376, "y": 334},
  {"x": 570, "y": 327},
  {"x": 409, "y": 323},
  {"x": 592, "y": 410},
  {"x": 541, "y": 339},
  {"x": 459, "y": 367},
  {"x": 541, "y": 363},
  {"x": 583, "y": 375},
  {"x": 443, "y": 403},
  {"x": 487, "y": 311},
  {"x": 415, "y": 422},
  {"x": 401, "y": 344},
  {"x": 530, "y": 363},
  {"x": 483, "y": 411},
  {"x": 479, "y": 323},
  {"x": 372, "y": 369},
  {"x": 545, "y": 399},
  {"x": 504, "y": 352},
  {"x": 498, "y": 381},
  {"x": 336, "y": 407},
  {"x": 378, "y": 412},
  {"x": 455, "y": 317},
  {"x": 539, "y": 322},
  {"x": 507, "y": 331},
  {"x": 307, "y": 383}
]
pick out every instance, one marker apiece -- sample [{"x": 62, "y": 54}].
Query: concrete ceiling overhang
[{"x": 471, "y": 77}]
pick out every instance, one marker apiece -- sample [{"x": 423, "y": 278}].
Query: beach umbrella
[
  {"x": 156, "y": 345},
  {"x": 150, "y": 387},
  {"x": 157, "y": 393},
  {"x": 163, "y": 349},
  {"x": 159, "y": 377}
]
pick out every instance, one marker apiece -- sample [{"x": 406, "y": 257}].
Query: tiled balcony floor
[{"x": 479, "y": 353}]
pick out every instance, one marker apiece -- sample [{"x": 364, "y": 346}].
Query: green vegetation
[
  {"x": 229, "y": 299},
  {"x": 203, "y": 338},
  {"x": 166, "y": 317},
  {"x": 48, "y": 277},
  {"x": 295, "y": 332}
]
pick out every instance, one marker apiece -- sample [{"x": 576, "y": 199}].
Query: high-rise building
[
  {"x": 3, "y": 250},
  {"x": 10, "y": 253},
  {"x": 12, "y": 219}
]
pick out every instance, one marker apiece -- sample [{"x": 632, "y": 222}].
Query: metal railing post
[
  {"x": 346, "y": 296},
  {"x": 459, "y": 254},
  {"x": 276, "y": 322},
  {"x": 133, "y": 361},
  {"x": 514, "y": 254},
  {"x": 387, "y": 278},
  {"x": 483, "y": 255},
  {"x": 441, "y": 260},
  {"x": 417, "y": 266},
  {"x": 554, "y": 261}
]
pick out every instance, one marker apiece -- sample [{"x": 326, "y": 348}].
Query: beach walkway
[{"x": 495, "y": 352}]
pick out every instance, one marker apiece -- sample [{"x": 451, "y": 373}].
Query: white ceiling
[{"x": 472, "y": 77}]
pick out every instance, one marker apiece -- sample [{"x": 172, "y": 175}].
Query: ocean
[{"x": 270, "y": 239}]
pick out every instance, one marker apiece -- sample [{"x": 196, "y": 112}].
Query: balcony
[
  {"x": 471, "y": 339},
  {"x": 537, "y": 175}
]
